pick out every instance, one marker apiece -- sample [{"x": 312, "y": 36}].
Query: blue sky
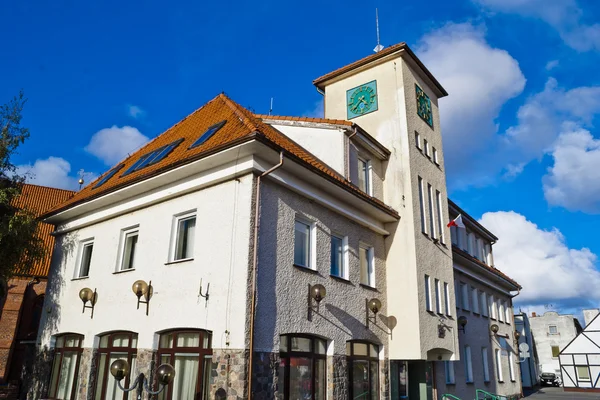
[{"x": 520, "y": 142}]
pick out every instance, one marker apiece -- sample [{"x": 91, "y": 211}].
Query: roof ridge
[
  {"x": 240, "y": 111},
  {"x": 305, "y": 119},
  {"x": 48, "y": 187}
]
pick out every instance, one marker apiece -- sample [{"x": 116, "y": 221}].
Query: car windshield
[{"x": 548, "y": 375}]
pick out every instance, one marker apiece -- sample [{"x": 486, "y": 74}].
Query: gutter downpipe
[{"x": 254, "y": 268}]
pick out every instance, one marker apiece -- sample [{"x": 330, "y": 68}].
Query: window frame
[
  {"x": 368, "y": 189},
  {"x": 82, "y": 245},
  {"x": 468, "y": 365},
  {"x": 435, "y": 156},
  {"x": 464, "y": 294},
  {"x": 550, "y": 329},
  {"x": 200, "y": 350},
  {"x": 108, "y": 350},
  {"x": 422, "y": 204},
  {"x": 125, "y": 233},
  {"x": 475, "y": 300},
  {"x": 485, "y": 308},
  {"x": 432, "y": 223},
  {"x": 449, "y": 372},
  {"x": 370, "y": 264},
  {"x": 579, "y": 377},
  {"x": 500, "y": 310},
  {"x": 343, "y": 268},
  {"x": 440, "y": 216},
  {"x": 552, "y": 347},
  {"x": 498, "y": 357},
  {"x": 439, "y": 309},
  {"x": 511, "y": 367},
  {"x": 426, "y": 148},
  {"x": 311, "y": 257},
  {"x": 350, "y": 358},
  {"x": 313, "y": 355},
  {"x": 492, "y": 305},
  {"x": 175, "y": 235},
  {"x": 78, "y": 350},
  {"x": 486, "y": 364},
  {"x": 418, "y": 140},
  {"x": 428, "y": 302},
  {"x": 447, "y": 298}
]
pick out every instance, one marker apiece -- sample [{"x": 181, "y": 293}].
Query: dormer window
[{"x": 364, "y": 175}]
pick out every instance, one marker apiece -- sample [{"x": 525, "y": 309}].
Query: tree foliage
[{"x": 20, "y": 246}]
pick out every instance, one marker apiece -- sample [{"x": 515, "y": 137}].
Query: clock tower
[{"x": 393, "y": 96}]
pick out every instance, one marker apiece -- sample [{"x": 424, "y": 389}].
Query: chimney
[
  {"x": 589, "y": 315},
  {"x": 533, "y": 314}
]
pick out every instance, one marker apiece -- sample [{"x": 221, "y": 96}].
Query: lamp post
[{"x": 165, "y": 374}]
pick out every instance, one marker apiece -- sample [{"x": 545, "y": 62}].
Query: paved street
[{"x": 552, "y": 393}]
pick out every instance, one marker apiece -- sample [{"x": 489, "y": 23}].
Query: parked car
[{"x": 549, "y": 379}]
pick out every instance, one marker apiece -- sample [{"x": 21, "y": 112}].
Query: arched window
[
  {"x": 115, "y": 346},
  {"x": 302, "y": 369},
  {"x": 363, "y": 367},
  {"x": 190, "y": 352},
  {"x": 65, "y": 367}
]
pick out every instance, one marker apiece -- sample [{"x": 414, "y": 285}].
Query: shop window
[
  {"x": 115, "y": 346},
  {"x": 302, "y": 369},
  {"x": 65, "y": 367},
  {"x": 363, "y": 367}
]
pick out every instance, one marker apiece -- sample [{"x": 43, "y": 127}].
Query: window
[
  {"x": 440, "y": 217},
  {"x": 500, "y": 311},
  {"x": 426, "y": 147},
  {"x": 190, "y": 353},
  {"x": 488, "y": 254},
  {"x": 447, "y": 298},
  {"x": 511, "y": 366},
  {"x": 428, "y": 304},
  {"x": 449, "y": 367},
  {"x": 438, "y": 297},
  {"x": 583, "y": 372},
  {"x": 464, "y": 291},
  {"x": 499, "y": 365},
  {"x": 152, "y": 157},
  {"x": 86, "y": 259},
  {"x": 435, "y": 156},
  {"x": 475, "y": 300},
  {"x": 208, "y": 134},
  {"x": 303, "y": 367},
  {"x": 555, "y": 351},
  {"x": 457, "y": 294},
  {"x": 468, "y": 365},
  {"x": 493, "y": 311},
  {"x": 508, "y": 314},
  {"x": 486, "y": 368},
  {"x": 422, "y": 205},
  {"x": 115, "y": 346},
  {"x": 482, "y": 250},
  {"x": 431, "y": 220},
  {"x": 339, "y": 254},
  {"x": 185, "y": 229},
  {"x": 364, "y": 175},
  {"x": 484, "y": 304},
  {"x": 129, "y": 240},
  {"x": 552, "y": 330},
  {"x": 109, "y": 175},
  {"x": 479, "y": 249},
  {"x": 454, "y": 235},
  {"x": 363, "y": 364},
  {"x": 302, "y": 244},
  {"x": 367, "y": 270},
  {"x": 65, "y": 367},
  {"x": 418, "y": 140},
  {"x": 469, "y": 243}
]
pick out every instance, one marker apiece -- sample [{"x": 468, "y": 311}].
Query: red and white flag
[{"x": 458, "y": 222}]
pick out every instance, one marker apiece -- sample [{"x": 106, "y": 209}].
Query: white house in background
[
  {"x": 530, "y": 375},
  {"x": 580, "y": 359},
  {"x": 552, "y": 332}
]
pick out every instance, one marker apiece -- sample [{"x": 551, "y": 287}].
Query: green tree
[{"x": 20, "y": 246}]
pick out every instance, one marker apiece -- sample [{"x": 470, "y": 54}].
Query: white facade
[
  {"x": 580, "y": 360},
  {"x": 530, "y": 374},
  {"x": 552, "y": 332}
]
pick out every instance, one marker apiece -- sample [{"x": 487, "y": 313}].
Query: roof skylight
[
  {"x": 108, "y": 175},
  {"x": 209, "y": 132},
  {"x": 153, "y": 157}
]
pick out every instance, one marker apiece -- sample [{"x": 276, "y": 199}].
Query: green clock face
[{"x": 362, "y": 100}]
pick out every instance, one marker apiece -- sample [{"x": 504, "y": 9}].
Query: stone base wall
[{"x": 228, "y": 375}]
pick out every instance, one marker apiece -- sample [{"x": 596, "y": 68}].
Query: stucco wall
[
  {"x": 477, "y": 335},
  {"x": 544, "y": 340},
  {"x": 221, "y": 252}
]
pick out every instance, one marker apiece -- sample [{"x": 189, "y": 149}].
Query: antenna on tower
[
  {"x": 271, "y": 108},
  {"x": 379, "y": 47}
]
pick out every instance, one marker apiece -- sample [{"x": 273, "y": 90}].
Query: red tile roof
[
  {"x": 39, "y": 199},
  {"x": 242, "y": 125},
  {"x": 385, "y": 52},
  {"x": 305, "y": 119}
]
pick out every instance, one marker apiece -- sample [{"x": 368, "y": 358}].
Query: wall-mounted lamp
[
  {"x": 517, "y": 335},
  {"x": 373, "y": 305},
  {"x": 86, "y": 295},
  {"x": 462, "y": 322},
  {"x": 317, "y": 293},
  {"x": 141, "y": 288},
  {"x": 494, "y": 328}
]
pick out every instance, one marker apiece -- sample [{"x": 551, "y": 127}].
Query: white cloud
[
  {"x": 479, "y": 79},
  {"x": 573, "y": 182},
  {"x": 52, "y": 171},
  {"x": 135, "y": 111},
  {"x": 550, "y": 65},
  {"x": 111, "y": 145},
  {"x": 549, "y": 271},
  {"x": 318, "y": 111},
  {"x": 565, "y": 16}
]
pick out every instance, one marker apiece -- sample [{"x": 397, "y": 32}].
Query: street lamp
[{"x": 165, "y": 374}]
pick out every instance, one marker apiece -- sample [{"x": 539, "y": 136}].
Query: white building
[
  {"x": 580, "y": 359},
  {"x": 234, "y": 218},
  {"x": 552, "y": 332},
  {"x": 489, "y": 357}
]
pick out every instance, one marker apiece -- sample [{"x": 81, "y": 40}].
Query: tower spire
[{"x": 379, "y": 47}]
